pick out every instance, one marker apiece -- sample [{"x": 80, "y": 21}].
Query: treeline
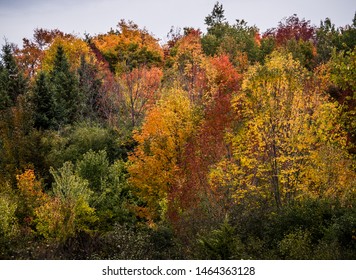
[{"x": 227, "y": 144}]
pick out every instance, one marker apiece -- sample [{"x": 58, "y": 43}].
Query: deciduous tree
[
  {"x": 155, "y": 163},
  {"x": 287, "y": 123}
]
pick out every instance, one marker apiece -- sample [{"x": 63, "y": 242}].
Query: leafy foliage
[
  {"x": 223, "y": 144},
  {"x": 161, "y": 142}
]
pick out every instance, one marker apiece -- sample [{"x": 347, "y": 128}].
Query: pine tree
[{"x": 216, "y": 17}]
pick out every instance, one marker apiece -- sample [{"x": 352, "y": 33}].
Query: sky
[{"x": 18, "y": 18}]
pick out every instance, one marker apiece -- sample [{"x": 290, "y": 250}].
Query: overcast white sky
[{"x": 18, "y": 18}]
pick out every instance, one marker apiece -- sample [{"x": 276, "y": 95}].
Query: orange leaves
[
  {"x": 29, "y": 186},
  {"x": 188, "y": 59},
  {"x": 190, "y": 44},
  {"x": 130, "y": 33},
  {"x": 129, "y": 47},
  {"x": 107, "y": 43},
  {"x": 161, "y": 145},
  {"x": 29, "y": 57},
  {"x": 31, "y": 193},
  {"x": 140, "y": 91}
]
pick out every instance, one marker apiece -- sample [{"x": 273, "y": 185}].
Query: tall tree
[
  {"x": 65, "y": 89},
  {"x": 89, "y": 88},
  {"x": 188, "y": 69},
  {"x": 288, "y": 127},
  {"x": 140, "y": 92},
  {"x": 216, "y": 17},
  {"x": 12, "y": 80},
  {"x": 193, "y": 205},
  {"x": 43, "y": 101},
  {"x": 161, "y": 142}
]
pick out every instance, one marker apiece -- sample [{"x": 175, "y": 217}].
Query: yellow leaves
[
  {"x": 74, "y": 49},
  {"x": 50, "y": 221},
  {"x": 290, "y": 143},
  {"x": 7, "y": 217},
  {"x": 130, "y": 33},
  {"x": 59, "y": 220},
  {"x": 329, "y": 173}
]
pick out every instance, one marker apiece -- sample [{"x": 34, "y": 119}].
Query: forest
[{"x": 223, "y": 144}]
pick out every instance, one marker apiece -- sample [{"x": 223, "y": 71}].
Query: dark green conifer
[
  {"x": 43, "y": 102},
  {"x": 65, "y": 89},
  {"x": 12, "y": 81}
]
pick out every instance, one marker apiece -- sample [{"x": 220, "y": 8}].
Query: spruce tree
[
  {"x": 12, "y": 81},
  {"x": 44, "y": 110},
  {"x": 65, "y": 89},
  {"x": 89, "y": 88}
]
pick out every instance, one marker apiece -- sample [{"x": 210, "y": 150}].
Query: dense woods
[{"x": 226, "y": 144}]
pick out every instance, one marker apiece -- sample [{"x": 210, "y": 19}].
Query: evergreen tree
[
  {"x": 12, "y": 80},
  {"x": 65, "y": 89},
  {"x": 4, "y": 96},
  {"x": 43, "y": 102},
  {"x": 89, "y": 88},
  {"x": 216, "y": 17},
  {"x": 239, "y": 41}
]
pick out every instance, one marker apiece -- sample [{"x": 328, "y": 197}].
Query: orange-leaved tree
[
  {"x": 161, "y": 142},
  {"x": 140, "y": 90},
  {"x": 129, "y": 47}
]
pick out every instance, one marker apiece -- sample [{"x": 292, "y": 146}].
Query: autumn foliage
[{"x": 222, "y": 144}]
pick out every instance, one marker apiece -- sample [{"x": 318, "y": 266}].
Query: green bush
[
  {"x": 221, "y": 244},
  {"x": 296, "y": 245}
]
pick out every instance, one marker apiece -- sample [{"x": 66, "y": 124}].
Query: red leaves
[
  {"x": 206, "y": 148},
  {"x": 227, "y": 78},
  {"x": 292, "y": 28}
]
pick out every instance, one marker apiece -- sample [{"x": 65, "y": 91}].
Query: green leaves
[
  {"x": 216, "y": 17},
  {"x": 65, "y": 90},
  {"x": 68, "y": 186},
  {"x": 12, "y": 81}
]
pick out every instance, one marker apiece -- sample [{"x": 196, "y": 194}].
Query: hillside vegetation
[{"x": 226, "y": 144}]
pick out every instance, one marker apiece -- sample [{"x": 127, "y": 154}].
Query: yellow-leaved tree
[{"x": 288, "y": 143}]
